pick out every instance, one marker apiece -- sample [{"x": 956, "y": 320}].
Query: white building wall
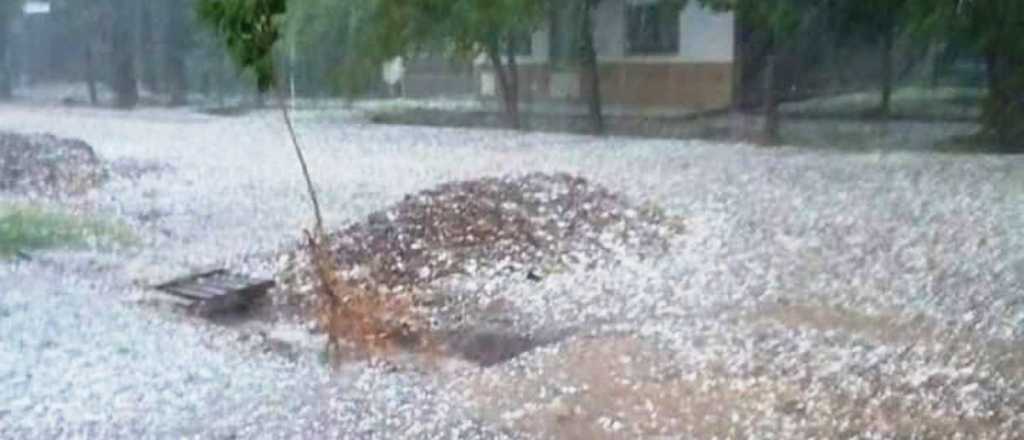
[
  {"x": 706, "y": 36},
  {"x": 541, "y": 44}
]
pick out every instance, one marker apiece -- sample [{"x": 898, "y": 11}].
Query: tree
[
  {"x": 366, "y": 317},
  {"x": 588, "y": 56},
  {"x": 993, "y": 28},
  {"x": 9, "y": 9},
  {"x": 883, "y": 20},
  {"x": 91, "y": 24},
  {"x": 470, "y": 27},
  {"x": 88, "y": 25},
  {"x": 362, "y": 35},
  {"x": 572, "y": 37},
  {"x": 325, "y": 42},
  {"x": 176, "y": 42},
  {"x": 250, "y": 29},
  {"x": 124, "y": 81},
  {"x": 148, "y": 45},
  {"x": 781, "y": 20}
]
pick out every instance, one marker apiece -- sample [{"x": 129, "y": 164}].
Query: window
[
  {"x": 523, "y": 42},
  {"x": 562, "y": 46},
  {"x": 652, "y": 28}
]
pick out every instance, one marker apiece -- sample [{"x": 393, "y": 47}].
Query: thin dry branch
[{"x": 313, "y": 198}]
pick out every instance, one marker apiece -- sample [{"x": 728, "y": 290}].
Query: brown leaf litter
[
  {"x": 526, "y": 226},
  {"x": 46, "y": 164}
]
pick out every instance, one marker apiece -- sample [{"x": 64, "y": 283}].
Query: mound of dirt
[
  {"x": 529, "y": 225},
  {"x": 47, "y": 164}
]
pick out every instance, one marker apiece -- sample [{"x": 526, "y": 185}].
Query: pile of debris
[
  {"x": 46, "y": 164},
  {"x": 528, "y": 226}
]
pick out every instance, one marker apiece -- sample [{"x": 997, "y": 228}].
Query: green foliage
[
  {"x": 25, "y": 228},
  {"x": 870, "y": 16},
  {"x": 250, "y": 28},
  {"x": 992, "y": 28},
  {"x": 468, "y": 27},
  {"x": 987, "y": 25},
  {"x": 465, "y": 27},
  {"x": 352, "y": 38},
  {"x": 326, "y": 39},
  {"x": 782, "y": 18}
]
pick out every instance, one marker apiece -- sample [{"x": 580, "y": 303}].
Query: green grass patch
[
  {"x": 25, "y": 228},
  {"x": 907, "y": 102}
]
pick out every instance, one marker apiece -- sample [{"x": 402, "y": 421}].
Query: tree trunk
[
  {"x": 174, "y": 52},
  {"x": 5, "y": 66},
  {"x": 888, "y": 40},
  {"x": 508, "y": 86},
  {"x": 993, "y": 108},
  {"x": 771, "y": 104},
  {"x": 90, "y": 74},
  {"x": 222, "y": 83},
  {"x": 589, "y": 57},
  {"x": 512, "y": 75},
  {"x": 258, "y": 99},
  {"x": 739, "y": 58},
  {"x": 933, "y": 61},
  {"x": 124, "y": 82},
  {"x": 147, "y": 48},
  {"x": 1004, "y": 110}
]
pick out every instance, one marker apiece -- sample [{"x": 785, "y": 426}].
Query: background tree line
[
  {"x": 136, "y": 49},
  {"x": 791, "y": 30},
  {"x": 787, "y": 48}
]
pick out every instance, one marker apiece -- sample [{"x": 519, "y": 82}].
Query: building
[{"x": 653, "y": 60}]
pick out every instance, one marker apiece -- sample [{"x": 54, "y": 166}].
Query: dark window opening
[
  {"x": 562, "y": 41},
  {"x": 652, "y": 28},
  {"x": 523, "y": 43}
]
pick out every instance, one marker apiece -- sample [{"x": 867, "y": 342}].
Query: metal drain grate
[{"x": 217, "y": 291}]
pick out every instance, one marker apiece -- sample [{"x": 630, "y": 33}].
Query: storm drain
[{"x": 217, "y": 291}]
